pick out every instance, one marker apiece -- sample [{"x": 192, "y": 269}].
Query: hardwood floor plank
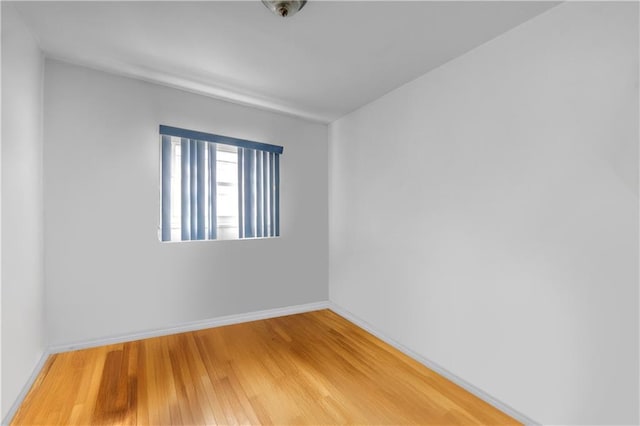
[{"x": 311, "y": 368}]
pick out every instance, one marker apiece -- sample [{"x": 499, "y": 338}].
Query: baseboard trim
[
  {"x": 25, "y": 389},
  {"x": 433, "y": 366},
  {"x": 255, "y": 316},
  {"x": 180, "y": 328},
  {"x": 192, "y": 326}
]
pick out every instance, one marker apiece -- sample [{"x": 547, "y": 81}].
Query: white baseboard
[
  {"x": 254, "y": 316},
  {"x": 181, "y": 328},
  {"x": 192, "y": 326},
  {"x": 25, "y": 389},
  {"x": 433, "y": 366}
]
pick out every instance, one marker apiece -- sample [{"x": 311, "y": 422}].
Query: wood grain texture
[{"x": 311, "y": 368}]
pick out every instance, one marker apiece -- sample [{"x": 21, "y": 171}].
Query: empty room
[{"x": 298, "y": 212}]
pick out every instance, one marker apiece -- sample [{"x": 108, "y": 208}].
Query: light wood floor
[{"x": 312, "y": 368}]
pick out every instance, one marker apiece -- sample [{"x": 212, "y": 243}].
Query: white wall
[
  {"x": 485, "y": 215},
  {"x": 106, "y": 272},
  {"x": 22, "y": 220}
]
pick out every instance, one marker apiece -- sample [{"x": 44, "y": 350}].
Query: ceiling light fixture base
[{"x": 284, "y": 8}]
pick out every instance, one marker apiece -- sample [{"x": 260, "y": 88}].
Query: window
[{"x": 217, "y": 188}]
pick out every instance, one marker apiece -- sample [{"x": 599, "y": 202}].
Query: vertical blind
[{"x": 200, "y": 182}]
